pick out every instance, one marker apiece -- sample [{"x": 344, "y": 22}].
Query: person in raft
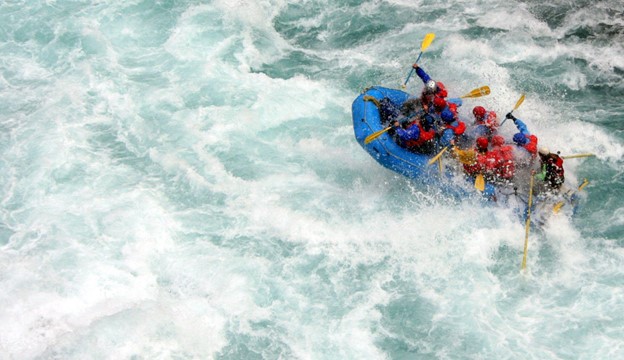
[
  {"x": 505, "y": 169},
  {"x": 417, "y": 135},
  {"x": 432, "y": 90},
  {"x": 453, "y": 129},
  {"x": 485, "y": 123},
  {"x": 552, "y": 173},
  {"x": 526, "y": 149}
]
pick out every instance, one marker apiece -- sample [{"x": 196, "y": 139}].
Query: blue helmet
[
  {"x": 520, "y": 139},
  {"x": 447, "y": 116},
  {"x": 427, "y": 122}
]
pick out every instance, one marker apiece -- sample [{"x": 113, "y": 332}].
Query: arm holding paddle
[
  {"x": 424, "y": 45},
  {"x": 509, "y": 115}
]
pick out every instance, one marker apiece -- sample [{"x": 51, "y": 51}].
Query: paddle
[
  {"x": 527, "y": 226},
  {"x": 425, "y": 44},
  {"x": 520, "y": 101},
  {"x": 466, "y": 157},
  {"x": 375, "y": 135},
  {"x": 482, "y": 91},
  {"x": 560, "y": 204},
  {"x": 577, "y": 156},
  {"x": 435, "y": 158},
  {"x": 480, "y": 182}
]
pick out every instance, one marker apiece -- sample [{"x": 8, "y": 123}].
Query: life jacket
[
  {"x": 428, "y": 98},
  {"x": 457, "y": 129},
  {"x": 453, "y": 108},
  {"x": 425, "y": 136},
  {"x": 478, "y": 166},
  {"x": 531, "y": 147},
  {"x": 505, "y": 168},
  {"x": 441, "y": 90},
  {"x": 485, "y": 127},
  {"x": 554, "y": 170},
  {"x": 491, "y": 120}
]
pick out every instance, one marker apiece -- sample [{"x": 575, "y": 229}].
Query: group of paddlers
[{"x": 430, "y": 122}]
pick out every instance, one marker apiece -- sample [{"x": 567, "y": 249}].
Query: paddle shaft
[
  {"x": 577, "y": 156},
  {"x": 427, "y": 40},
  {"x": 527, "y": 225},
  {"x": 412, "y": 70},
  {"x": 518, "y": 103}
]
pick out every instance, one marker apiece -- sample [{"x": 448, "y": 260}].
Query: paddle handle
[{"x": 501, "y": 125}]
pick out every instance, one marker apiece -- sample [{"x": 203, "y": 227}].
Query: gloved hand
[
  {"x": 415, "y": 66},
  {"x": 509, "y": 116}
]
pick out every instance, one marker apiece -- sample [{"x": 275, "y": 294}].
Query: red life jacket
[
  {"x": 554, "y": 170},
  {"x": 505, "y": 169},
  {"x": 479, "y": 166},
  {"x": 491, "y": 120},
  {"x": 441, "y": 90},
  {"x": 427, "y": 99},
  {"x": 531, "y": 147},
  {"x": 459, "y": 129},
  {"x": 424, "y": 137},
  {"x": 453, "y": 108}
]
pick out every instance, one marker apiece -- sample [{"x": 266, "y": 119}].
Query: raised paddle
[
  {"x": 482, "y": 91},
  {"x": 425, "y": 44},
  {"x": 518, "y": 103}
]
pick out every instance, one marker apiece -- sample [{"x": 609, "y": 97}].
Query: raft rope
[{"x": 373, "y": 99}]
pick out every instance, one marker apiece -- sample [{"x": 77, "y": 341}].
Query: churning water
[{"x": 179, "y": 179}]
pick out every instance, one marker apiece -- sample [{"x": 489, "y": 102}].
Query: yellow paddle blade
[
  {"x": 427, "y": 41},
  {"x": 375, "y": 135},
  {"x": 520, "y": 101},
  {"x": 480, "y": 182},
  {"x": 466, "y": 157},
  {"x": 578, "y": 156},
  {"x": 560, "y": 204},
  {"x": 585, "y": 182},
  {"x": 557, "y": 207},
  {"x": 482, "y": 91},
  {"x": 435, "y": 158}
]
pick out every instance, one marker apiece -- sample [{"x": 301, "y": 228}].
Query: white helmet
[
  {"x": 430, "y": 87},
  {"x": 544, "y": 151}
]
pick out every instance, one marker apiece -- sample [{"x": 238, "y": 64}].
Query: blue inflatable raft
[{"x": 367, "y": 119}]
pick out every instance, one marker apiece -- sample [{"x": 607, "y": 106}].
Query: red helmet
[
  {"x": 439, "y": 104},
  {"x": 482, "y": 143},
  {"x": 498, "y": 140},
  {"x": 478, "y": 112}
]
